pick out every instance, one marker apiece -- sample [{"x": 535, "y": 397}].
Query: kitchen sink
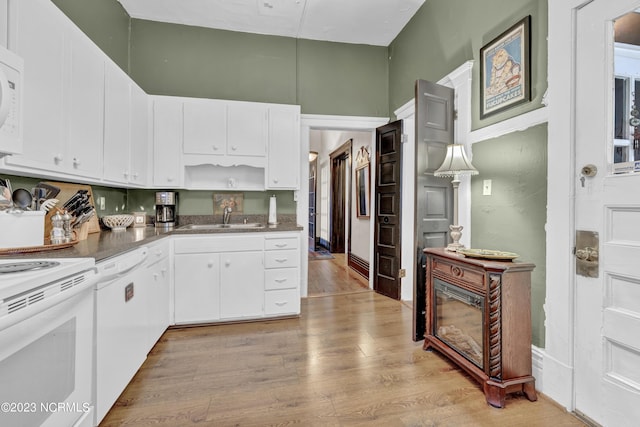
[{"x": 241, "y": 226}]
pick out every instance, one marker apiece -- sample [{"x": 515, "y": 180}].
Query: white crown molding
[
  {"x": 317, "y": 121},
  {"x": 514, "y": 124}
]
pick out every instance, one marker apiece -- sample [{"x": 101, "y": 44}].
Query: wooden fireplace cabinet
[{"x": 502, "y": 291}]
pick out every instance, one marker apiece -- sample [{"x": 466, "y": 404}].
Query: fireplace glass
[{"x": 458, "y": 320}]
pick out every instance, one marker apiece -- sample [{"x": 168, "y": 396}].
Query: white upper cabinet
[
  {"x": 283, "y": 168},
  {"x": 63, "y": 96},
  {"x": 205, "y": 127},
  {"x": 246, "y": 129},
  {"x": 231, "y": 132},
  {"x": 84, "y": 96},
  {"x": 126, "y": 134},
  {"x": 117, "y": 113},
  {"x": 40, "y": 42},
  {"x": 139, "y": 141},
  {"x": 167, "y": 142}
]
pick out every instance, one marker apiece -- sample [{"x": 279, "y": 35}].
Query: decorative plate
[{"x": 488, "y": 254}]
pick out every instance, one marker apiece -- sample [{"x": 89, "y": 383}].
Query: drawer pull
[
  {"x": 281, "y": 259},
  {"x": 281, "y": 280},
  {"x": 281, "y": 245},
  {"x": 281, "y": 303}
]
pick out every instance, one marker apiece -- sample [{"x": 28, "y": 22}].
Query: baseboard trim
[{"x": 359, "y": 265}]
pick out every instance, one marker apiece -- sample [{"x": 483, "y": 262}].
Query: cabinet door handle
[
  {"x": 275, "y": 180},
  {"x": 76, "y": 162},
  {"x": 234, "y": 147},
  {"x": 210, "y": 264},
  {"x": 58, "y": 158},
  {"x": 227, "y": 263},
  {"x": 215, "y": 148}
]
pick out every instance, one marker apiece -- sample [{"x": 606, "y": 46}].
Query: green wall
[
  {"x": 513, "y": 217},
  {"x": 444, "y": 34},
  {"x": 105, "y": 22}
]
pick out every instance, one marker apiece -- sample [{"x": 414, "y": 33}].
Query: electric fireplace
[{"x": 478, "y": 315}]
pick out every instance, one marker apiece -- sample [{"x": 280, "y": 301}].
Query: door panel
[
  {"x": 607, "y": 348},
  {"x": 387, "y": 213},
  {"x": 434, "y": 196},
  {"x": 340, "y": 196}
]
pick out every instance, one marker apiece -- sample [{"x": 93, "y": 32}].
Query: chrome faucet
[{"x": 226, "y": 214}]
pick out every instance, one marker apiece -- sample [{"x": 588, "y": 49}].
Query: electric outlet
[
  {"x": 102, "y": 203},
  {"x": 486, "y": 187}
]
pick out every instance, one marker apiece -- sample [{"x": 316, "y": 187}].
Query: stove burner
[{"x": 22, "y": 266}]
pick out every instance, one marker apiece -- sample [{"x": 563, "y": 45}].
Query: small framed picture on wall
[{"x": 505, "y": 69}]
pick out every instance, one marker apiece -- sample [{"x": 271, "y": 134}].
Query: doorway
[
  {"x": 340, "y": 209},
  {"x": 313, "y": 185}
]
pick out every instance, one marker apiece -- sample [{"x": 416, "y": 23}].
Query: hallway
[{"x": 334, "y": 277}]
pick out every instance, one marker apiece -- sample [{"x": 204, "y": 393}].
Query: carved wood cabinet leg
[
  {"x": 495, "y": 395},
  {"x": 529, "y": 390}
]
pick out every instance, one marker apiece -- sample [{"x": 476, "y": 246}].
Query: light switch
[
  {"x": 102, "y": 203},
  {"x": 486, "y": 187}
]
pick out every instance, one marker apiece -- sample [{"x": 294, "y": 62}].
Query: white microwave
[{"x": 11, "y": 89}]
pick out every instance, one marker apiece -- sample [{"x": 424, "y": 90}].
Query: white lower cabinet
[
  {"x": 196, "y": 287},
  {"x": 228, "y": 277},
  {"x": 241, "y": 285},
  {"x": 282, "y": 275},
  {"x": 159, "y": 291}
]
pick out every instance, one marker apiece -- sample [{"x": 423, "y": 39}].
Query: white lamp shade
[{"x": 455, "y": 163}]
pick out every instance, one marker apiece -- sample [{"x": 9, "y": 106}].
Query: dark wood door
[
  {"x": 387, "y": 210},
  {"x": 340, "y": 160},
  {"x": 434, "y": 196},
  {"x": 313, "y": 167}
]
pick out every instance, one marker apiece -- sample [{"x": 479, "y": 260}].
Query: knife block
[{"x": 67, "y": 191}]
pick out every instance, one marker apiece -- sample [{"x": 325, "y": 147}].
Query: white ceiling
[{"x": 372, "y": 22}]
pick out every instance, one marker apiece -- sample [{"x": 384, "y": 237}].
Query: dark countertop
[{"x": 111, "y": 243}]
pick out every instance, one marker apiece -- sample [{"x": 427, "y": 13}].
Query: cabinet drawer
[
  {"x": 281, "y": 259},
  {"x": 470, "y": 276},
  {"x": 159, "y": 251},
  {"x": 218, "y": 244},
  {"x": 281, "y": 278},
  {"x": 281, "y": 243},
  {"x": 284, "y": 301}
]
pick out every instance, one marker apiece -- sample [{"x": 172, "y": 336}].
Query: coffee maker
[{"x": 166, "y": 208}]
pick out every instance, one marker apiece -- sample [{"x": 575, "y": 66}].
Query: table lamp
[{"x": 455, "y": 164}]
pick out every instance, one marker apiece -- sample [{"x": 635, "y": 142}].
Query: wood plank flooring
[
  {"x": 334, "y": 276},
  {"x": 347, "y": 361}
]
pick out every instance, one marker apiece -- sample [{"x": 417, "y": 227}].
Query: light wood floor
[
  {"x": 334, "y": 276},
  {"x": 347, "y": 361}
]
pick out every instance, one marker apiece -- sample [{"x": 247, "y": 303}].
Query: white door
[{"x": 607, "y": 338}]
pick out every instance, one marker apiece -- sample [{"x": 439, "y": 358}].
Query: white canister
[
  {"x": 20, "y": 229},
  {"x": 273, "y": 219}
]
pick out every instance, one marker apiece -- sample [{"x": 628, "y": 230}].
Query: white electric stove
[
  {"x": 22, "y": 275},
  {"x": 46, "y": 341}
]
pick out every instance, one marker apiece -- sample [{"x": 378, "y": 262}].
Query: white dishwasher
[{"x": 120, "y": 325}]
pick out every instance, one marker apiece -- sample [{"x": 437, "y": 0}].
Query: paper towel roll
[{"x": 272, "y": 210}]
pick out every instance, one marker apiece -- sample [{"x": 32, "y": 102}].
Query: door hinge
[
  {"x": 404, "y": 138},
  {"x": 455, "y": 114},
  {"x": 402, "y": 273}
]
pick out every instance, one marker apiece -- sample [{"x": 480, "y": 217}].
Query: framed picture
[
  {"x": 505, "y": 70},
  {"x": 363, "y": 183},
  {"x": 362, "y": 191}
]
